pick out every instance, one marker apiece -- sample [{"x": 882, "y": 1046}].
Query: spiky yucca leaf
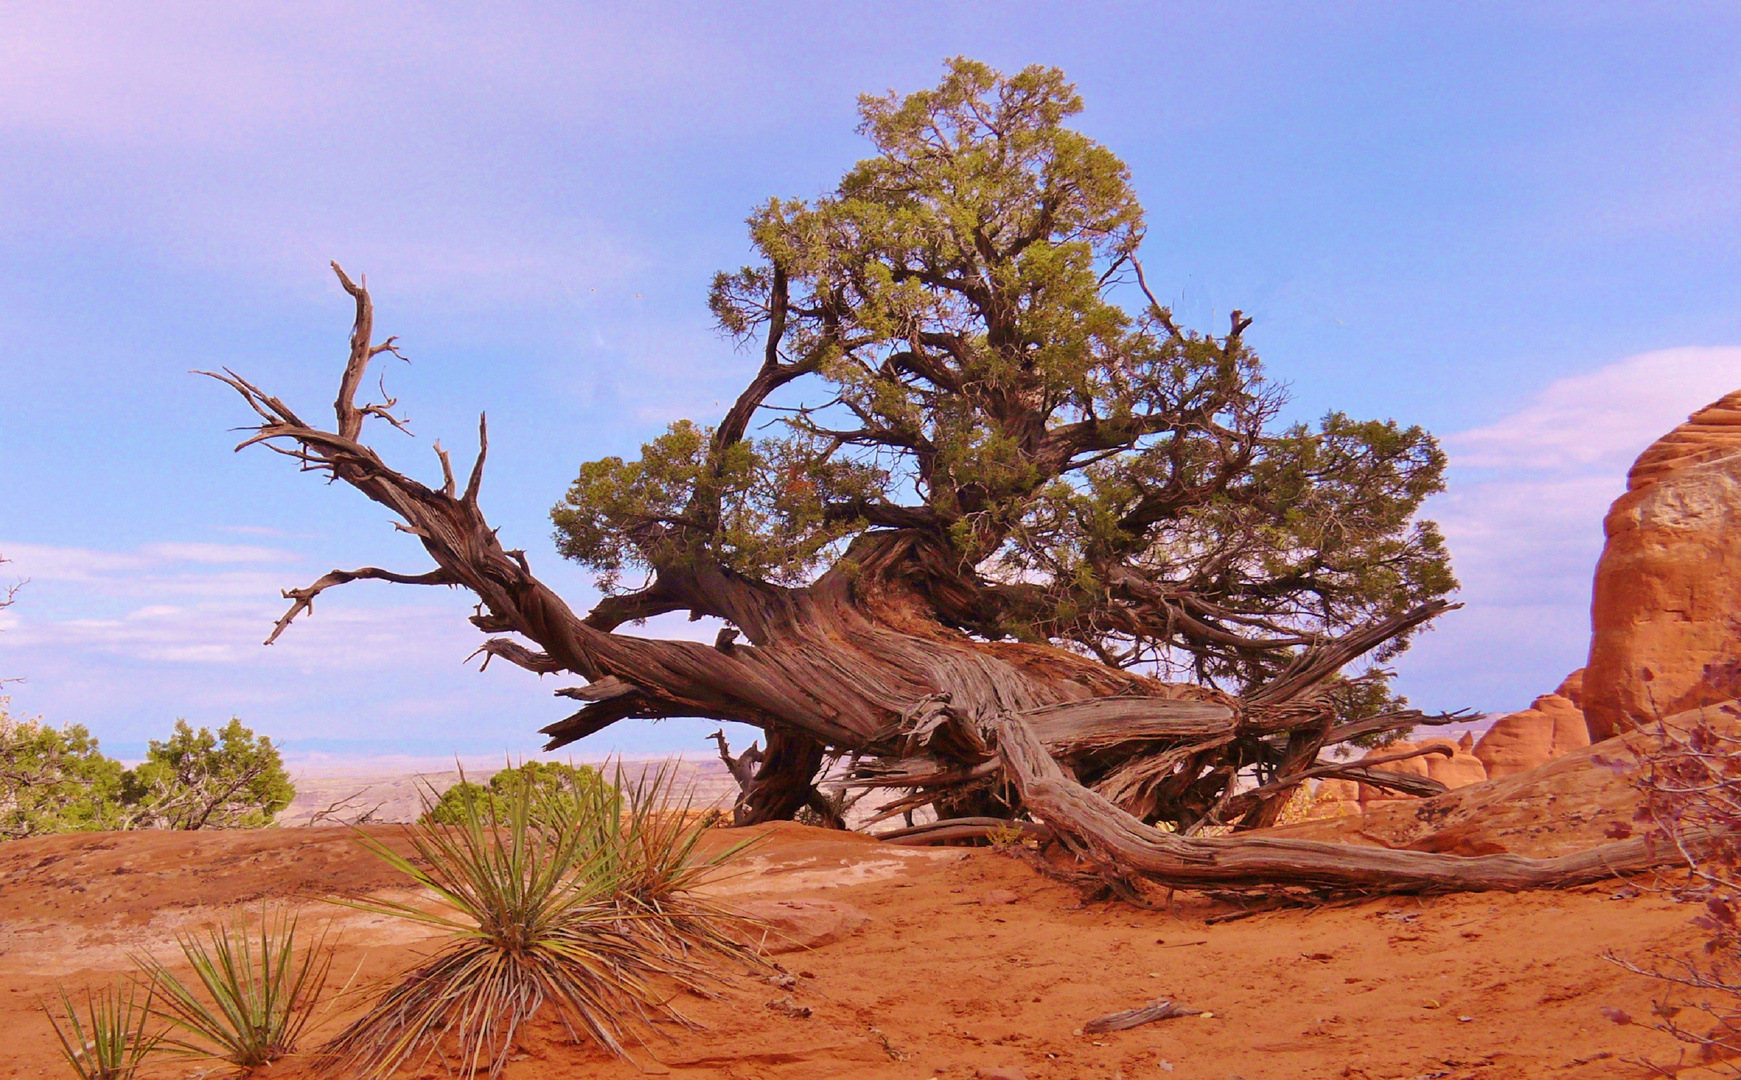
[
  {"x": 116, "y": 1041},
  {"x": 258, "y": 997},
  {"x": 646, "y": 837},
  {"x": 533, "y": 921}
]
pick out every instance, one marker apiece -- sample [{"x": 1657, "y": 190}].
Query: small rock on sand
[{"x": 791, "y": 925}]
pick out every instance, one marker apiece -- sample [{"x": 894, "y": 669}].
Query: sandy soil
[{"x": 972, "y": 960}]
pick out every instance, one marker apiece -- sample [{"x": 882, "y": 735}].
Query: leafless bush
[
  {"x": 1690, "y": 779},
  {"x": 8, "y": 596},
  {"x": 350, "y": 810}
]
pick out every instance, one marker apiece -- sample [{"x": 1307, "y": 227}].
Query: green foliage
[
  {"x": 548, "y": 781},
  {"x": 772, "y": 497},
  {"x": 54, "y": 780},
  {"x": 1364, "y": 697},
  {"x": 988, "y": 373},
  {"x": 233, "y": 779},
  {"x": 111, "y": 1041},
  {"x": 538, "y": 916},
  {"x": 645, "y": 836},
  {"x": 258, "y": 997}
]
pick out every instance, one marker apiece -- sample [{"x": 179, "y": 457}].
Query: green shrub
[
  {"x": 54, "y": 780},
  {"x": 544, "y": 780},
  {"x": 197, "y": 780},
  {"x": 571, "y": 899},
  {"x": 645, "y": 833},
  {"x": 257, "y": 996}
]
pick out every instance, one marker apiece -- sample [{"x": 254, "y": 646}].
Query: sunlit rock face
[
  {"x": 1553, "y": 725},
  {"x": 1461, "y": 769},
  {"x": 1666, "y": 611}
]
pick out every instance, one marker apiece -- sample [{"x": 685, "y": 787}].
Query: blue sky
[{"x": 1515, "y": 224}]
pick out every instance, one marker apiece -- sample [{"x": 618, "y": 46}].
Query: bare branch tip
[{"x": 344, "y": 278}]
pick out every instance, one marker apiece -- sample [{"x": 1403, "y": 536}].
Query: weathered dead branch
[{"x": 1130, "y": 1018}]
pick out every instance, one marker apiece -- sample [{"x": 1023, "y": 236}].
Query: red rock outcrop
[
  {"x": 1415, "y": 766},
  {"x": 782, "y": 926},
  {"x": 1666, "y": 612},
  {"x": 1461, "y": 769},
  {"x": 1552, "y": 726},
  {"x": 1335, "y": 798},
  {"x": 1572, "y": 688}
]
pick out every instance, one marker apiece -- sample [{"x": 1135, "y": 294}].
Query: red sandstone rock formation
[
  {"x": 1461, "y": 769},
  {"x": 1336, "y": 798},
  {"x": 1666, "y": 614},
  {"x": 1416, "y": 766},
  {"x": 1553, "y": 725},
  {"x": 1572, "y": 688}
]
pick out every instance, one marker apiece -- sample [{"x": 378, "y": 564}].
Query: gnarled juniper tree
[
  {"x": 999, "y": 511},
  {"x": 986, "y": 425}
]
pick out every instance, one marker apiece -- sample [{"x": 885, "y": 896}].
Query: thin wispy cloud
[
  {"x": 1595, "y": 420},
  {"x": 126, "y": 641},
  {"x": 276, "y": 107}
]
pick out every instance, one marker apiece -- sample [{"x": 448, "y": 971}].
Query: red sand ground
[{"x": 946, "y": 980}]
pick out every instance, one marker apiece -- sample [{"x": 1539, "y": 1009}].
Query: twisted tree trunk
[{"x": 859, "y": 661}]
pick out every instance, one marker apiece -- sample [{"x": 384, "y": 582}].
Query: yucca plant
[
  {"x": 258, "y": 996},
  {"x": 115, "y": 1040},
  {"x": 532, "y": 920},
  {"x": 646, "y": 838}
]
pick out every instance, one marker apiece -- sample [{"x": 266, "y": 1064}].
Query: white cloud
[
  {"x": 40, "y": 562},
  {"x": 1603, "y": 418},
  {"x": 182, "y": 603},
  {"x": 43, "y": 562}
]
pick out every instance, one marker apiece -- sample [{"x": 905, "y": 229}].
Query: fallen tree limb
[
  {"x": 1148, "y": 1014},
  {"x": 1123, "y": 846},
  {"x": 941, "y": 832},
  {"x": 1423, "y": 786},
  {"x": 1396, "y": 721},
  {"x": 1363, "y": 770}
]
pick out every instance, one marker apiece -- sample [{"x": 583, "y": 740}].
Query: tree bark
[
  {"x": 1120, "y": 845},
  {"x": 860, "y": 661},
  {"x": 783, "y": 783}
]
